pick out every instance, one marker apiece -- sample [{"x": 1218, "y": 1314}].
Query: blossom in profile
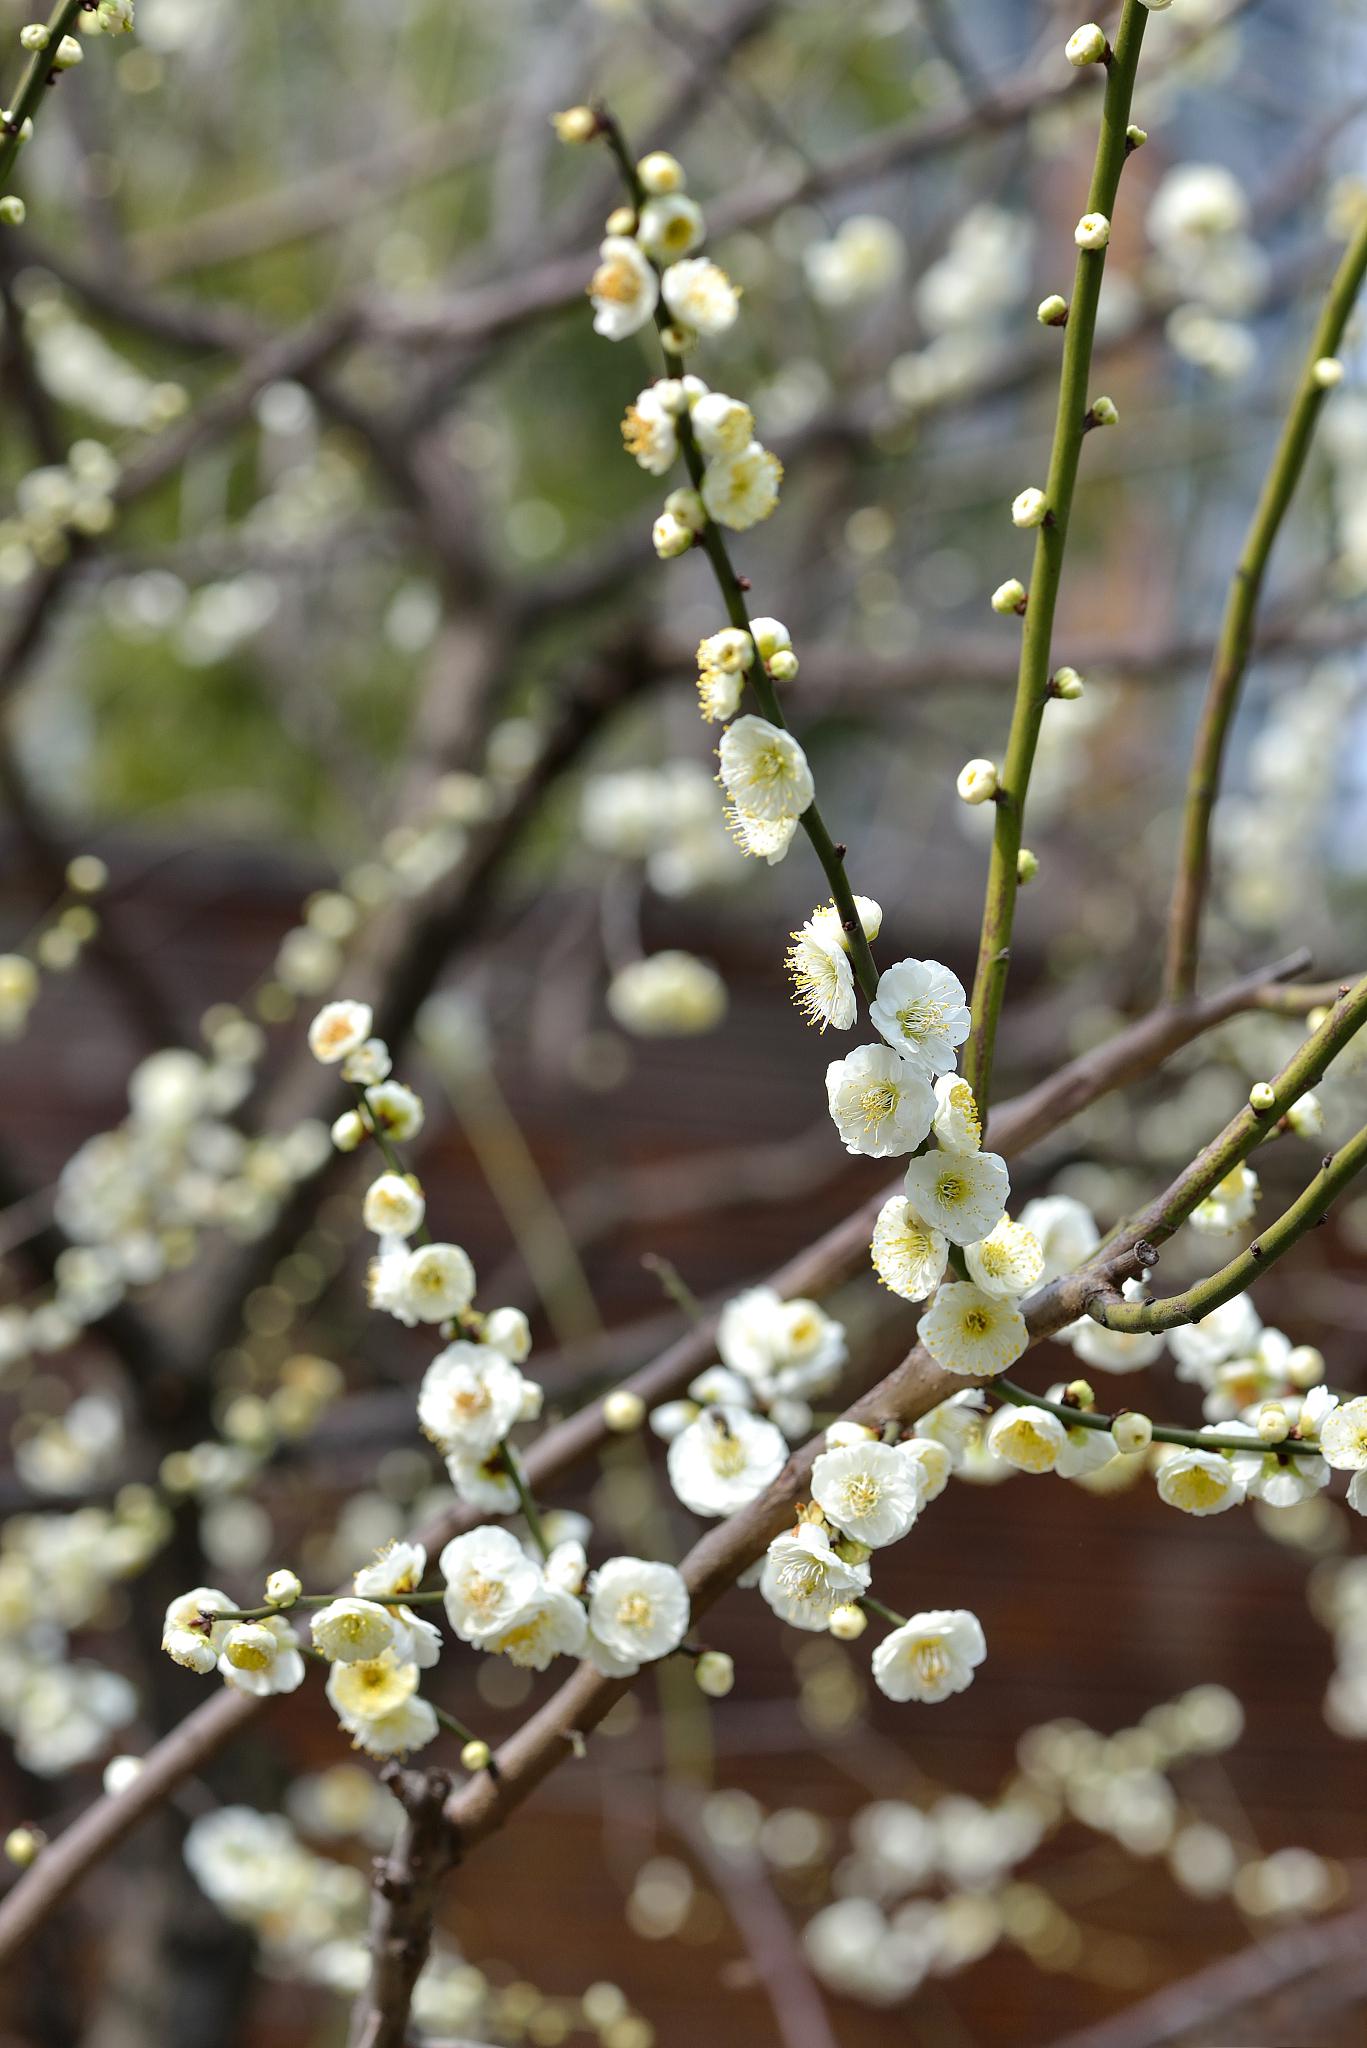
[{"x": 930, "y": 1656}]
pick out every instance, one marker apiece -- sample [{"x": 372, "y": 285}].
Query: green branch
[
  {"x": 1236, "y": 630},
  {"x": 1267, "y": 1247},
  {"x": 1032, "y": 684},
  {"x": 37, "y": 74},
  {"x": 1163, "y": 1433}
]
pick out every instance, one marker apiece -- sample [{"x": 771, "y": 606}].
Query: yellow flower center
[
  {"x": 977, "y": 1322},
  {"x": 862, "y": 1495},
  {"x": 930, "y": 1660},
  {"x": 922, "y": 1016},
  {"x": 878, "y": 1103},
  {"x": 616, "y": 280},
  {"x": 634, "y": 1611}
]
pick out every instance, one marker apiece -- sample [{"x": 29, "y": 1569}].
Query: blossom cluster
[{"x": 503, "y": 1594}]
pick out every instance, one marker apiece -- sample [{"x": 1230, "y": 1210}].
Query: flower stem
[
  {"x": 873, "y": 1606},
  {"x": 531, "y": 1513},
  {"x": 456, "y": 1727},
  {"x": 1163, "y": 1433},
  {"x": 1236, "y": 630},
  {"x": 1032, "y": 684}
]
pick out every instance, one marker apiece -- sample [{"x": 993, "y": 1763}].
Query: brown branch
[
  {"x": 742, "y": 1878},
  {"x": 403, "y": 1898}
]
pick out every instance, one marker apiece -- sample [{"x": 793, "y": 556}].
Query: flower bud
[
  {"x": 283, "y": 1588},
  {"x": 87, "y": 874},
  {"x": 1009, "y": 596},
  {"x": 1328, "y": 372},
  {"x": 1029, "y": 508},
  {"x": 621, "y": 221},
  {"x": 1273, "y": 1426},
  {"x": 1093, "y": 231},
  {"x": 977, "y": 783},
  {"x": 1027, "y": 866},
  {"x": 12, "y": 210},
  {"x": 623, "y": 1411},
  {"x": 36, "y": 36},
  {"x": 576, "y": 124},
  {"x": 687, "y": 507},
  {"x": 67, "y": 54},
  {"x": 1053, "y": 311},
  {"x": 677, "y": 340},
  {"x": 670, "y": 537},
  {"x": 1066, "y": 684},
  {"x": 1132, "y": 1431},
  {"x": 847, "y": 1624},
  {"x": 1305, "y": 1366},
  {"x": 349, "y": 1131},
  {"x": 1261, "y": 1097},
  {"x": 783, "y": 665},
  {"x": 121, "y": 1772},
  {"x": 1078, "y": 1394},
  {"x": 23, "y": 1844},
  {"x": 715, "y": 1673},
  {"x": 1155, "y": 6},
  {"x": 660, "y": 172},
  {"x": 1086, "y": 45},
  {"x": 1135, "y": 136},
  {"x": 839, "y": 1435},
  {"x": 475, "y": 1755},
  {"x": 1103, "y": 412}
]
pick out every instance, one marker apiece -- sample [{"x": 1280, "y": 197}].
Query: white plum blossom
[
  {"x": 1278, "y": 1480},
  {"x": 398, "y": 1569},
  {"x": 767, "y": 840},
  {"x": 638, "y": 1612},
  {"x": 741, "y": 489},
  {"x": 701, "y": 296},
  {"x": 1229, "y": 1204},
  {"x": 764, "y": 770},
  {"x": 724, "y": 1460},
  {"x": 262, "y": 1657},
  {"x": 393, "y": 1206},
  {"x": 723, "y": 426},
  {"x": 1031, "y": 1438},
  {"x": 186, "y": 1638},
  {"x": 958, "y": 1126},
  {"x": 804, "y": 1580},
  {"x": 650, "y": 430},
  {"x": 470, "y": 1398},
  {"x": 350, "y": 1631},
  {"x": 508, "y": 1330},
  {"x": 956, "y": 1424},
  {"x": 967, "y": 1331},
  {"x": 1200, "y": 1482},
  {"x": 669, "y": 226},
  {"x": 489, "y": 1581},
  {"x": 624, "y": 288},
  {"x": 930, "y": 1656},
  {"x": 962, "y": 1194},
  {"x": 870, "y": 1491},
  {"x": 1114, "y": 1350},
  {"x": 1009, "y": 1260},
  {"x": 1230, "y": 1331},
  {"x": 551, "y": 1624},
  {"x": 920, "y": 1010},
  {"x": 782, "y": 1349},
  {"x": 377, "y": 1704},
  {"x": 909, "y": 1256},
  {"x": 865, "y": 256},
  {"x": 1065, "y": 1230},
  {"x": 670, "y": 994},
  {"x": 482, "y": 1481},
  {"x": 1343, "y": 1436},
  {"x": 823, "y": 980},
  {"x": 933, "y": 1460},
  {"x": 881, "y": 1104},
  {"x": 339, "y": 1028}
]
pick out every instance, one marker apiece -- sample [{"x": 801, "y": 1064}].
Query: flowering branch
[
  {"x": 1319, "y": 374},
  {"x": 1055, "y": 504},
  {"x": 829, "y": 1260},
  {"x": 1270, "y": 1244},
  {"x": 1158, "y": 1432}
]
